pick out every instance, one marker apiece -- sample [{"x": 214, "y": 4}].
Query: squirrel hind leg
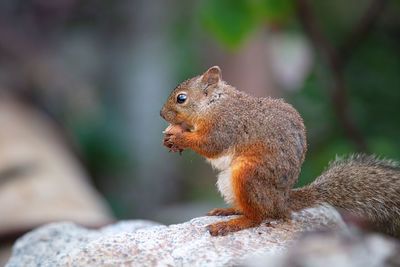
[
  {"x": 224, "y": 212},
  {"x": 257, "y": 197},
  {"x": 234, "y": 225}
]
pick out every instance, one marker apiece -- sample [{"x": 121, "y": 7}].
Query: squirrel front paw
[
  {"x": 170, "y": 142},
  {"x": 173, "y": 139}
]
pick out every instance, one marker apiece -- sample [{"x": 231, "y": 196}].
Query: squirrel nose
[{"x": 162, "y": 113}]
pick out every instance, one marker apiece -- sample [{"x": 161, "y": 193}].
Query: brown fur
[
  {"x": 362, "y": 185},
  {"x": 266, "y": 141}
]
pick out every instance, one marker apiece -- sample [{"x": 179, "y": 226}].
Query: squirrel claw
[
  {"x": 169, "y": 142},
  {"x": 221, "y": 229},
  {"x": 234, "y": 225}
]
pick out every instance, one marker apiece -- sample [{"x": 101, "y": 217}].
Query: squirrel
[{"x": 259, "y": 145}]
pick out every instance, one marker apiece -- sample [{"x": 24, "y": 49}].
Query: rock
[
  {"x": 333, "y": 248},
  {"x": 146, "y": 243}
]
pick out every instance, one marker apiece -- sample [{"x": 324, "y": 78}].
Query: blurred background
[{"x": 82, "y": 83}]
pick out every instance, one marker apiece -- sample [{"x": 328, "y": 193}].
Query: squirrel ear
[{"x": 212, "y": 76}]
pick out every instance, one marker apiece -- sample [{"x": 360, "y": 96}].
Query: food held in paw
[{"x": 174, "y": 129}]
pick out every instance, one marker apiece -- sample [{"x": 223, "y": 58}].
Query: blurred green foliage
[
  {"x": 228, "y": 21},
  {"x": 231, "y": 21}
]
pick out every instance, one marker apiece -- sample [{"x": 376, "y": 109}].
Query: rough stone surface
[
  {"x": 146, "y": 243},
  {"x": 336, "y": 248}
]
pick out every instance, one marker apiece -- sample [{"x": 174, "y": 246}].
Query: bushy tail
[{"x": 363, "y": 185}]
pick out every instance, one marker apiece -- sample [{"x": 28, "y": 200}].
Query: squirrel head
[{"x": 193, "y": 97}]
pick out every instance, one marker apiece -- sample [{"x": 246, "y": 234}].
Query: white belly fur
[{"x": 224, "y": 183}]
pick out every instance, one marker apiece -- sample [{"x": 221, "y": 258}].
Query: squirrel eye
[{"x": 181, "y": 98}]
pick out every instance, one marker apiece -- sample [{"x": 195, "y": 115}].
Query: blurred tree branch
[
  {"x": 337, "y": 57},
  {"x": 364, "y": 26}
]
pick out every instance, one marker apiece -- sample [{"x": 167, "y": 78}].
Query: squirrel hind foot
[
  {"x": 223, "y": 212},
  {"x": 234, "y": 225}
]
